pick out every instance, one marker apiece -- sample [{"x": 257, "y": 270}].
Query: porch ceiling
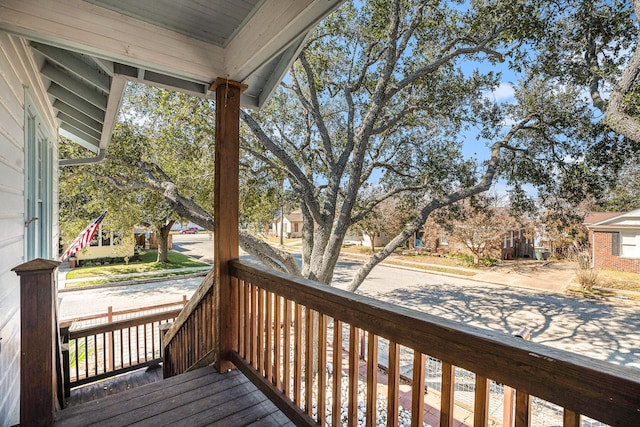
[{"x": 88, "y": 49}]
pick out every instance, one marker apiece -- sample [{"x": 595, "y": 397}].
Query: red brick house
[{"x": 614, "y": 240}]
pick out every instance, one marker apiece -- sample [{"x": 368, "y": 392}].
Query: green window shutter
[{"x": 615, "y": 244}]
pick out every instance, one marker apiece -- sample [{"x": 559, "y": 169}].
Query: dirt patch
[{"x": 533, "y": 267}]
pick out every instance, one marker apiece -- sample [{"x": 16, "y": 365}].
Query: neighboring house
[
  {"x": 381, "y": 239},
  {"x": 292, "y": 224},
  {"x": 107, "y": 245},
  {"x": 614, "y": 240},
  {"x": 64, "y": 66},
  {"x": 518, "y": 244}
]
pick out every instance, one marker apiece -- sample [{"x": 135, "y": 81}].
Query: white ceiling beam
[
  {"x": 74, "y": 86},
  {"x": 78, "y": 125},
  {"x": 78, "y": 115},
  {"x": 96, "y": 31},
  {"x": 74, "y": 65},
  {"x": 76, "y": 102},
  {"x": 79, "y": 137}
]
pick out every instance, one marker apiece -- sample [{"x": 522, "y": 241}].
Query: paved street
[
  {"x": 92, "y": 301},
  {"x": 603, "y": 330}
]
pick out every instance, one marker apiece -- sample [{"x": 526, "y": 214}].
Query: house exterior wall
[
  {"x": 291, "y": 229},
  {"x": 20, "y": 89},
  {"x": 518, "y": 244},
  {"x": 277, "y": 226},
  {"x": 603, "y": 253},
  {"x": 381, "y": 239}
]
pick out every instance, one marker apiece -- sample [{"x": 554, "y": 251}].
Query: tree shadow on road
[{"x": 597, "y": 329}]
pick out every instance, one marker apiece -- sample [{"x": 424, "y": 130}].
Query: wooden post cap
[{"x": 36, "y": 265}]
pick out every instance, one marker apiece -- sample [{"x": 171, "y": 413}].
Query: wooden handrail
[
  {"x": 123, "y": 324},
  {"x": 123, "y": 312},
  {"x": 189, "y": 341},
  {"x": 188, "y": 309},
  {"x": 603, "y": 391}
]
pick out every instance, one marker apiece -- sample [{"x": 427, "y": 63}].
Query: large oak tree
[{"x": 392, "y": 91}]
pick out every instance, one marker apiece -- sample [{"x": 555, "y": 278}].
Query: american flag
[{"x": 83, "y": 238}]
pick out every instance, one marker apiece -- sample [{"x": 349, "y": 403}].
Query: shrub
[
  {"x": 586, "y": 275},
  {"x": 488, "y": 261},
  {"x": 465, "y": 259}
]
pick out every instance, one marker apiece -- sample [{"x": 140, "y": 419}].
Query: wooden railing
[
  {"x": 109, "y": 349},
  {"x": 292, "y": 336},
  {"x": 189, "y": 342},
  {"x": 110, "y": 315}
]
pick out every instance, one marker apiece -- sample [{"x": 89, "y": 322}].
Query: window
[
  {"x": 630, "y": 245},
  {"x": 38, "y": 186},
  {"x": 106, "y": 238}
]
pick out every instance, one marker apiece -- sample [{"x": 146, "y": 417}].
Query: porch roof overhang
[{"x": 87, "y": 50}]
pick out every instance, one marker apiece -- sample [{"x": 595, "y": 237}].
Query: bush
[
  {"x": 587, "y": 278},
  {"x": 465, "y": 259},
  {"x": 586, "y": 275},
  {"x": 488, "y": 261}
]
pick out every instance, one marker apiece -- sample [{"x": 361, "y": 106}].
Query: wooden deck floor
[
  {"x": 114, "y": 385},
  {"x": 200, "y": 398}
]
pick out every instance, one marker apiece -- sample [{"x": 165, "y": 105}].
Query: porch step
[{"x": 198, "y": 398}]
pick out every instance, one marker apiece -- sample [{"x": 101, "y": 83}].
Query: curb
[{"x": 133, "y": 282}]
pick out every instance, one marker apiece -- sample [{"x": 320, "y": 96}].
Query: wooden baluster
[
  {"x": 277, "y": 341},
  {"x": 352, "y": 414},
  {"x": 447, "y": 396},
  {"x": 121, "y": 364},
  {"x": 112, "y": 353},
  {"x": 394, "y": 384},
  {"x": 247, "y": 322},
  {"x": 297, "y": 355},
  {"x": 253, "y": 328},
  {"x": 130, "y": 346},
  {"x": 269, "y": 341},
  {"x": 417, "y": 391},
  {"x": 261, "y": 321},
  {"x": 286, "y": 330},
  {"x": 241, "y": 316},
  {"x": 372, "y": 379},
  {"x": 523, "y": 409},
  {"x": 322, "y": 369},
  {"x": 336, "y": 389},
  {"x": 308, "y": 353},
  {"x": 571, "y": 419},
  {"x": 87, "y": 358},
  {"x": 481, "y": 402},
  {"x": 145, "y": 347},
  {"x": 507, "y": 407}
]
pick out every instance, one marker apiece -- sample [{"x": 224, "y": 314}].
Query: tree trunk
[
  {"x": 163, "y": 242},
  {"x": 373, "y": 243}
]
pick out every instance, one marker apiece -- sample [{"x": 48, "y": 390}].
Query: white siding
[{"x": 16, "y": 74}]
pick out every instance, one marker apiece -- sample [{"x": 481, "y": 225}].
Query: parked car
[{"x": 192, "y": 230}]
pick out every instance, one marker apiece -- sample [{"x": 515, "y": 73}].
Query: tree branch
[{"x": 615, "y": 116}]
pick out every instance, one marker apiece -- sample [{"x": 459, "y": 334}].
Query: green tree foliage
[
  {"x": 387, "y": 91},
  {"x": 388, "y": 88}
]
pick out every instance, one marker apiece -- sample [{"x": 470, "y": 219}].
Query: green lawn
[{"x": 147, "y": 263}]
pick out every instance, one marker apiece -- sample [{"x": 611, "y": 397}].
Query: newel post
[
  {"x": 38, "y": 339},
  {"x": 225, "y": 228}
]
